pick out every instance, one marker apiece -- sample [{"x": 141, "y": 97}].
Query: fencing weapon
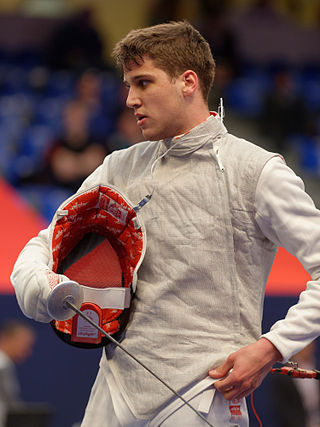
[{"x": 68, "y": 295}]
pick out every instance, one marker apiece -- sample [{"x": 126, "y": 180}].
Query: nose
[{"x": 133, "y": 101}]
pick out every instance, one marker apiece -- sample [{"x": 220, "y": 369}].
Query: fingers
[
  {"x": 228, "y": 393},
  {"x": 249, "y": 365},
  {"x": 222, "y": 370},
  {"x": 237, "y": 393},
  {"x": 226, "y": 387},
  {"x": 235, "y": 386},
  {"x": 231, "y": 392}
]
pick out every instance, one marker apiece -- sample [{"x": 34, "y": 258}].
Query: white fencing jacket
[{"x": 220, "y": 208}]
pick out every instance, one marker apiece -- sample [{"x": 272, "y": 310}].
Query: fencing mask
[{"x": 99, "y": 242}]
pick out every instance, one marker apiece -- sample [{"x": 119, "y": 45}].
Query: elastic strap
[{"x": 112, "y": 298}]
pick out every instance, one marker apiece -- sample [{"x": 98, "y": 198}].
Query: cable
[
  {"x": 221, "y": 110},
  {"x": 254, "y": 410},
  {"x": 146, "y": 199},
  {"x": 295, "y": 372}
]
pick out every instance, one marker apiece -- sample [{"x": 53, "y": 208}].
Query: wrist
[{"x": 271, "y": 351}]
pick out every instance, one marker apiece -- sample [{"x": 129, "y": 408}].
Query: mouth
[{"x": 140, "y": 119}]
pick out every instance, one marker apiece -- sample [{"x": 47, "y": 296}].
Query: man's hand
[{"x": 249, "y": 366}]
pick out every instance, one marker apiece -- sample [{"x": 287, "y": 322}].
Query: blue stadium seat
[{"x": 245, "y": 95}]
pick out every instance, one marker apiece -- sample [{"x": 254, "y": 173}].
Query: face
[
  {"x": 19, "y": 345},
  {"x": 157, "y": 100}
]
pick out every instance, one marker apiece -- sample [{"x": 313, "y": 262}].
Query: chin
[
  {"x": 151, "y": 137},
  {"x": 156, "y": 137}
]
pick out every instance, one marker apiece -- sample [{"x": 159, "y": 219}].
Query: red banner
[
  {"x": 287, "y": 276},
  {"x": 18, "y": 222}
]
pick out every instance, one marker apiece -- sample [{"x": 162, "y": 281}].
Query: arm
[
  {"x": 32, "y": 277},
  {"x": 288, "y": 217}
]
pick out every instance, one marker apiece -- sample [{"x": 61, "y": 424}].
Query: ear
[{"x": 190, "y": 82}]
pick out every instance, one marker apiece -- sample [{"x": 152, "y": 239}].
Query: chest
[{"x": 187, "y": 200}]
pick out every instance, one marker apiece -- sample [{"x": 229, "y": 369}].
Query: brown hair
[{"x": 174, "y": 47}]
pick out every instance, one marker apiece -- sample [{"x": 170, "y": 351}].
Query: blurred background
[{"x": 62, "y": 110}]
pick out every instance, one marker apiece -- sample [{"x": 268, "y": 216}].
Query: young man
[{"x": 220, "y": 206}]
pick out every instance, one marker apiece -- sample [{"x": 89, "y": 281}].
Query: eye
[{"x": 143, "y": 83}]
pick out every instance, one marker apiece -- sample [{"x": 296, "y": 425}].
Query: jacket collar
[{"x": 210, "y": 129}]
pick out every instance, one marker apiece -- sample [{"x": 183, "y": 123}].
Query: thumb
[{"x": 222, "y": 370}]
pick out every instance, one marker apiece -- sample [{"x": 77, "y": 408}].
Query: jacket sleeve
[
  {"x": 287, "y": 216},
  {"x": 32, "y": 277}
]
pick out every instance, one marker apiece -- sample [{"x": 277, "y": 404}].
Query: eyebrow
[{"x": 138, "y": 77}]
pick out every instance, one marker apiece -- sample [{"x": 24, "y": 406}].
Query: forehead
[
  {"x": 143, "y": 67},
  {"x": 132, "y": 64}
]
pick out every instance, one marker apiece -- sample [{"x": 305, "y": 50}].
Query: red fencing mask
[{"x": 99, "y": 242}]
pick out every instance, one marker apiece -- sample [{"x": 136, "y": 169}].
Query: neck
[{"x": 197, "y": 114}]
